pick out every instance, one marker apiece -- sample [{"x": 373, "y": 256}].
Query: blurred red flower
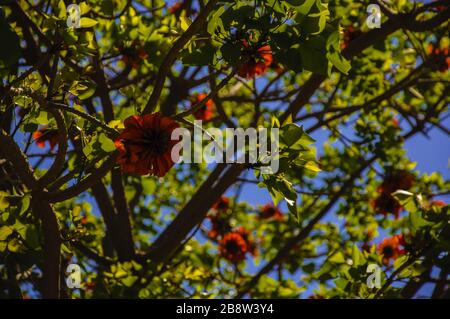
[
  {"x": 233, "y": 247},
  {"x": 386, "y": 203},
  {"x": 222, "y": 204},
  {"x": 391, "y": 248},
  {"x": 205, "y": 113},
  {"x": 256, "y": 60},
  {"x": 176, "y": 8},
  {"x": 440, "y": 57},
  {"x": 269, "y": 211},
  {"x": 399, "y": 179},
  {"x": 44, "y": 135},
  {"x": 350, "y": 34}
]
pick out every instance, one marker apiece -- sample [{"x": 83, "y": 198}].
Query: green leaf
[
  {"x": 106, "y": 143},
  {"x": 185, "y": 23},
  {"x": 10, "y": 51},
  {"x": 339, "y": 62},
  {"x": 337, "y": 258},
  {"x": 201, "y": 56},
  {"x": 312, "y": 166},
  {"x": 107, "y": 7},
  {"x": 5, "y": 231},
  {"x": 4, "y": 203},
  {"x": 87, "y": 22},
  {"x": 291, "y": 133},
  {"x": 313, "y": 53},
  {"x": 215, "y": 21},
  {"x": 231, "y": 52}
]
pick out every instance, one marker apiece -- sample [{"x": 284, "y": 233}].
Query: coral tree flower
[
  {"x": 234, "y": 245},
  {"x": 269, "y": 211},
  {"x": 44, "y": 135},
  {"x": 385, "y": 203},
  {"x": 205, "y": 113},
  {"x": 145, "y": 145},
  {"x": 440, "y": 57},
  {"x": 245, "y": 234},
  {"x": 397, "y": 180},
  {"x": 350, "y": 34},
  {"x": 438, "y": 203},
  {"x": 222, "y": 204},
  {"x": 134, "y": 55},
  {"x": 255, "y": 61},
  {"x": 176, "y": 8},
  {"x": 391, "y": 248},
  {"x": 219, "y": 226}
]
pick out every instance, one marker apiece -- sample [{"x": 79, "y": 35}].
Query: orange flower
[
  {"x": 134, "y": 55},
  {"x": 256, "y": 60},
  {"x": 222, "y": 204},
  {"x": 438, "y": 203},
  {"x": 395, "y": 122},
  {"x": 269, "y": 211},
  {"x": 245, "y": 234},
  {"x": 219, "y": 225},
  {"x": 350, "y": 34},
  {"x": 176, "y": 8},
  {"x": 145, "y": 144},
  {"x": 278, "y": 68},
  {"x": 390, "y": 248},
  {"x": 205, "y": 113},
  {"x": 440, "y": 57},
  {"x": 397, "y": 180},
  {"x": 233, "y": 247},
  {"x": 386, "y": 203},
  {"x": 46, "y": 135}
]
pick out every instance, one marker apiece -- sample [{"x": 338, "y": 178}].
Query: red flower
[
  {"x": 255, "y": 61},
  {"x": 386, "y": 203},
  {"x": 350, "y": 34},
  {"x": 176, "y": 8},
  {"x": 46, "y": 135},
  {"x": 134, "y": 55},
  {"x": 438, "y": 203},
  {"x": 245, "y": 234},
  {"x": 397, "y": 180},
  {"x": 222, "y": 204},
  {"x": 395, "y": 122},
  {"x": 440, "y": 57},
  {"x": 390, "y": 248},
  {"x": 269, "y": 211},
  {"x": 278, "y": 68},
  {"x": 145, "y": 144},
  {"x": 233, "y": 247},
  {"x": 205, "y": 113},
  {"x": 219, "y": 225},
  {"x": 440, "y": 8},
  {"x": 90, "y": 285}
]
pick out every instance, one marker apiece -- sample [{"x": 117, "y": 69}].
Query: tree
[{"x": 91, "y": 94}]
